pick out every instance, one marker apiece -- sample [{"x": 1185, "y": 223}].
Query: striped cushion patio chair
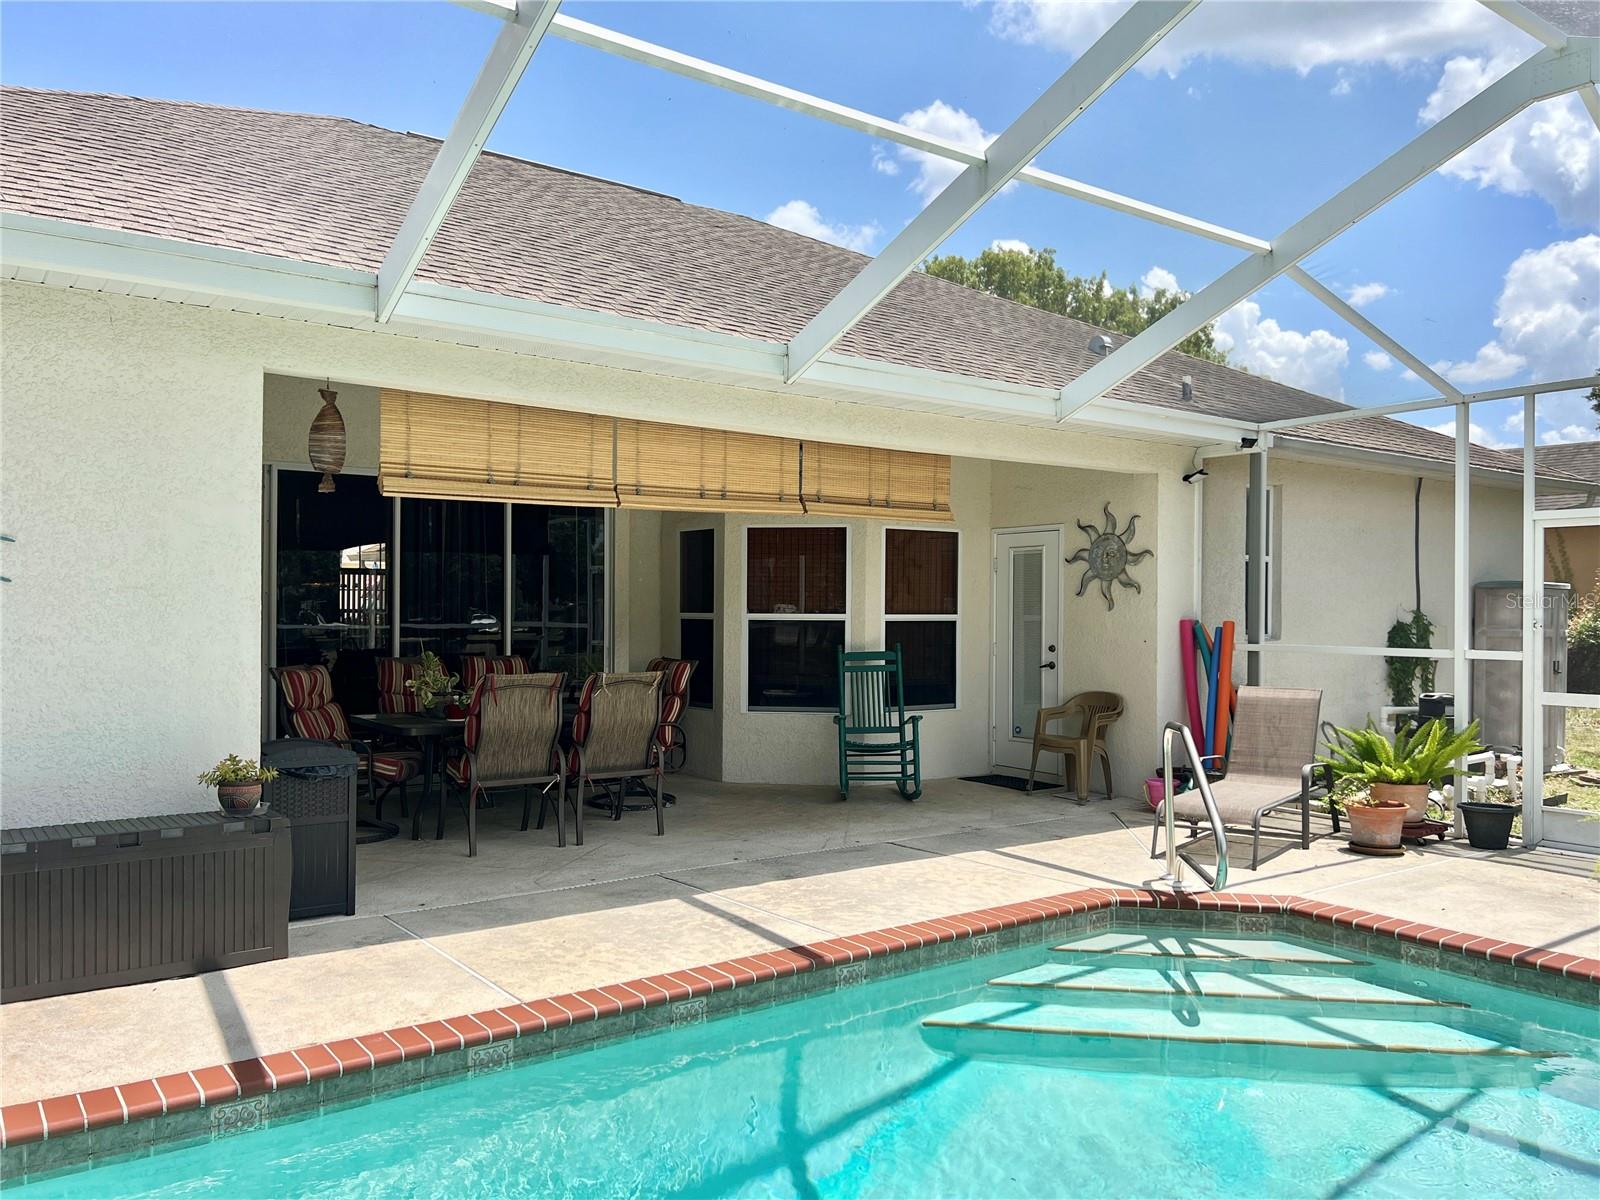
[
  {"x": 675, "y": 676},
  {"x": 309, "y": 711},
  {"x": 393, "y": 676},
  {"x": 615, "y": 732},
  {"x": 475, "y": 666},
  {"x": 513, "y": 723}
]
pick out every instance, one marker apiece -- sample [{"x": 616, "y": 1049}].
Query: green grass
[{"x": 1583, "y": 750}]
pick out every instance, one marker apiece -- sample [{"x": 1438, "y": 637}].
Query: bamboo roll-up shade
[
  {"x": 444, "y": 447},
  {"x": 686, "y": 468},
  {"x": 865, "y": 481}
]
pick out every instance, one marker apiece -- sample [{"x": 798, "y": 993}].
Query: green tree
[
  {"x": 1033, "y": 277},
  {"x": 1594, "y": 399}
]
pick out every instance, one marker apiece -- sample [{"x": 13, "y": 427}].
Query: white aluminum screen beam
[
  {"x": 497, "y": 79},
  {"x": 1351, "y": 314},
  {"x": 1408, "y": 406},
  {"x": 1530, "y": 22},
  {"x": 1095, "y": 70},
  {"x": 649, "y": 54},
  {"x": 1548, "y": 73}
]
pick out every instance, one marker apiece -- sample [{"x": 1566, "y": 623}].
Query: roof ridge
[{"x": 201, "y": 104}]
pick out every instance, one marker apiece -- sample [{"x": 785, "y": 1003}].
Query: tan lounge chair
[{"x": 1272, "y": 766}]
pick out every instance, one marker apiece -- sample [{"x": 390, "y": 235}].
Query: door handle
[{"x": 1049, "y": 666}]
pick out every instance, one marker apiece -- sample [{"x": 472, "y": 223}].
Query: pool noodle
[{"x": 1191, "y": 686}]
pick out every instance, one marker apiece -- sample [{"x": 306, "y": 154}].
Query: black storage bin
[
  {"x": 316, "y": 790},
  {"x": 107, "y": 903}
]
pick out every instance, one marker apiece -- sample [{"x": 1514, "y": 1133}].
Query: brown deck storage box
[{"x": 107, "y": 903}]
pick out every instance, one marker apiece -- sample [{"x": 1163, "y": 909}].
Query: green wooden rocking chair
[{"x": 877, "y": 741}]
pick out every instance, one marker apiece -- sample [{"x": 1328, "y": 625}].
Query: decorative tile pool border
[{"x": 80, "y": 1129}]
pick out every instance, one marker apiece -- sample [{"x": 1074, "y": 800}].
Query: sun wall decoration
[{"x": 1108, "y": 556}]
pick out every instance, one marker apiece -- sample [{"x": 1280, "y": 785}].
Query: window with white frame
[
  {"x": 796, "y": 594},
  {"x": 922, "y": 611},
  {"x": 1270, "y": 629},
  {"x": 697, "y": 610}
]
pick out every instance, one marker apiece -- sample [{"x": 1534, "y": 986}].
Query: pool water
[{"x": 942, "y": 1083}]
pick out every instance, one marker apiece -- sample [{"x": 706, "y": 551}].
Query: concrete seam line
[{"x": 450, "y": 958}]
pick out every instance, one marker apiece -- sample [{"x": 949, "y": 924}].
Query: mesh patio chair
[
  {"x": 509, "y": 741},
  {"x": 1272, "y": 765},
  {"x": 307, "y": 709},
  {"x": 1096, "y": 713},
  {"x": 614, "y": 741}
]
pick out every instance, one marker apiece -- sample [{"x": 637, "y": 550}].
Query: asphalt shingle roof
[
  {"x": 333, "y": 191},
  {"x": 1578, "y": 459}
]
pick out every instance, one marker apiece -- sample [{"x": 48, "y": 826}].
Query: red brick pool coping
[{"x": 78, "y": 1112}]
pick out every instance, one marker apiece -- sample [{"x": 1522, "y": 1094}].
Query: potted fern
[
  {"x": 1396, "y": 773},
  {"x": 238, "y": 782}
]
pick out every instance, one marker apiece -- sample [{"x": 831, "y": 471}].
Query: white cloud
[
  {"x": 1313, "y": 361},
  {"x": 1567, "y": 433},
  {"x": 1547, "y": 317},
  {"x": 882, "y": 163},
  {"x": 1491, "y": 364},
  {"x": 953, "y": 125},
  {"x": 1551, "y": 151},
  {"x": 1475, "y": 433},
  {"x": 1362, "y": 294},
  {"x": 1017, "y": 244},
  {"x": 1281, "y": 33},
  {"x": 1377, "y": 360},
  {"x": 1157, "y": 279},
  {"x": 1342, "y": 86},
  {"x": 799, "y": 216}
]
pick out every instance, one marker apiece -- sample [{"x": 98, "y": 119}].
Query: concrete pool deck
[{"x": 742, "y": 870}]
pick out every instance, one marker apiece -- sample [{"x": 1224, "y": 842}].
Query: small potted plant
[
  {"x": 238, "y": 782},
  {"x": 433, "y": 686},
  {"x": 1397, "y": 773}
]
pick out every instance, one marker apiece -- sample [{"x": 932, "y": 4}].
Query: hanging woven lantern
[{"x": 325, "y": 446}]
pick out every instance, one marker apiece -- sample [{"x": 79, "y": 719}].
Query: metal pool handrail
[{"x": 1175, "y": 857}]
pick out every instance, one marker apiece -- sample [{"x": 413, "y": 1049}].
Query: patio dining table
[{"x": 427, "y": 730}]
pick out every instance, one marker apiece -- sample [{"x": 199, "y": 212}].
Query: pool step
[
  {"x": 1079, "y": 983},
  {"x": 1353, "y": 1047},
  {"x": 1198, "y": 951}
]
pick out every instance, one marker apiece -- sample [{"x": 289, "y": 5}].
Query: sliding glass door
[
  {"x": 558, "y": 598},
  {"x": 354, "y": 576}
]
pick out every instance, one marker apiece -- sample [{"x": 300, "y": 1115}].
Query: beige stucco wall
[
  {"x": 1582, "y": 552},
  {"x": 1346, "y": 567},
  {"x": 130, "y": 477}
]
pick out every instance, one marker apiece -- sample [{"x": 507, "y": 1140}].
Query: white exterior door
[{"x": 1027, "y": 637}]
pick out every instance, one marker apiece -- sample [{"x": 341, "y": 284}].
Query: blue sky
[{"x": 1250, "y": 115}]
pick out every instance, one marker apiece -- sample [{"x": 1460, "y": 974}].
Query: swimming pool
[{"x": 1022, "y": 1073}]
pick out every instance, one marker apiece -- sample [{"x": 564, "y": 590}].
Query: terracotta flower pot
[
  {"x": 1413, "y": 795},
  {"x": 239, "y": 798},
  {"x": 1376, "y": 824}
]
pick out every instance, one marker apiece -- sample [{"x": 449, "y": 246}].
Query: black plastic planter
[{"x": 1488, "y": 825}]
